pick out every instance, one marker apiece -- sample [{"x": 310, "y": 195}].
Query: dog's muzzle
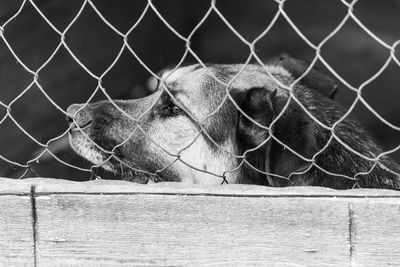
[{"x": 78, "y": 117}]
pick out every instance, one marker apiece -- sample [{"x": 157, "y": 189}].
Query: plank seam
[
  {"x": 34, "y": 221},
  {"x": 351, "y": 232}
]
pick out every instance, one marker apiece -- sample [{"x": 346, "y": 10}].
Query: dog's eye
[{"x": 171, "y": 109}]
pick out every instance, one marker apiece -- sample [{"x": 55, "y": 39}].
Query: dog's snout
[{"x": 78, "y": 116}]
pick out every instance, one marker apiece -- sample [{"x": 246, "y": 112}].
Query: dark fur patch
[
  {"x": 314, "y": 79},
  {"x": 303, "y": 135}
]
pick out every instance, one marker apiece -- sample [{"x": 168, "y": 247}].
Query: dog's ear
[
  {"x": 314, "y": 79},
  {"x": 293, "y": 128}
]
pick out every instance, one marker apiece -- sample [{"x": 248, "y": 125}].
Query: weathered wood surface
[
  {"x": 16, "y": 235},
  {"x": 119, "y": 223},
  {"x": 376, "y": 235}
]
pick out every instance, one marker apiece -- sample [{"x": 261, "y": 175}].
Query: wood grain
[
  {"x": 16, "y": 238},
  {"x": 187, "y": 230},
  {"x": 376, "y": 234},
  {"x": 119, "y": 223}
]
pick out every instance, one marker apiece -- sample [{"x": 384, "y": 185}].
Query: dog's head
[{"x": 201, "y": 125}]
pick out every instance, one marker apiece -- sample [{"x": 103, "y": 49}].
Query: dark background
[{"x": 352, "y": 53}]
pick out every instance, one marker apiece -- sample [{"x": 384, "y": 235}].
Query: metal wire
[{"x": 150, "y": 7}]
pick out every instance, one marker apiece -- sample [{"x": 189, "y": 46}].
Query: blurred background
[{"x": 352, "y": 53}]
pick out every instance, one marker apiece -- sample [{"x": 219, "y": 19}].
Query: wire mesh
[{"x": 241, "y": 159}]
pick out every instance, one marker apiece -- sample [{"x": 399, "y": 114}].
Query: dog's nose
[{"x": 78, "y": 116}]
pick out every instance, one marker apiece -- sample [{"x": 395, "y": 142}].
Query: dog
[{"x": 218, "y": 124}]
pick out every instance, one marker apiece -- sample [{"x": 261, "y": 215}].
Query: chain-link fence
[{"x": 172, "y": 135}]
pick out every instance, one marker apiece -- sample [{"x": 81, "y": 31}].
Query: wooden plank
[
  {"x": 59, "y": 186},
  {"x": 16, "y": 228},
  {"x": 81, "y": 229},
  {"x": 121, "y": 223},
  {"x": 376, "y": 232},
  {"x": 16, "y": 235},
  {"x": 16, "y": 187}
]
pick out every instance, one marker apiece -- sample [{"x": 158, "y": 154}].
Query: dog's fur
[{"x": 193, "y": 132}]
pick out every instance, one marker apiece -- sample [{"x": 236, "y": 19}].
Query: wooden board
[
  {"x": 119, "y": 223},
  {"x": 46, "y": 186},
  {"x": 376, "y": 235},
  {"x": 16, "y": 227},
  {"x": 188, "y": 230}
]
